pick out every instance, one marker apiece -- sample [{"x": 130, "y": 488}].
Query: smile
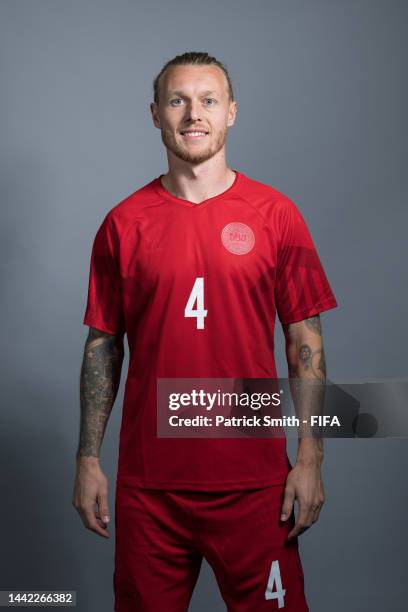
[{"x": 193, "y": 135}]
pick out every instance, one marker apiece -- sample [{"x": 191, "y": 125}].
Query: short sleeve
[
  {"x": 302, "y": 289},
  {"x": 104, "y": 309}
]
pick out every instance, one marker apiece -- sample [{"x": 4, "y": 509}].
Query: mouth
[{"x": 194, "y": 134}]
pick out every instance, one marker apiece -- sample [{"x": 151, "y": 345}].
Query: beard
[{"x": 189, "y": 155}]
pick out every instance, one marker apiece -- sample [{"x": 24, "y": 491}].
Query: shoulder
[
  {"x": 276, "y": 207},
  {"x": 133, "y": 208}
]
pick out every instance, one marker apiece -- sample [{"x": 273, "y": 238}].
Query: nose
[{"x": 193, "y": 111}]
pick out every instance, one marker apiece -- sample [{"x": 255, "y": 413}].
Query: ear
[
  {"x": 233, "y": 107},
  {"x": 154, "y": 109}
]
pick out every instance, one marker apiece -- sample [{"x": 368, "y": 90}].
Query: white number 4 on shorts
[{"x": 275, "y": 580}]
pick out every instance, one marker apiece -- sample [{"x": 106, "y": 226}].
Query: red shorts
[{"x": 162, "y": 536}]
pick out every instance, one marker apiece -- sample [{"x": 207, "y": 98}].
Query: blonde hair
[{"x": 195, "y": 58}]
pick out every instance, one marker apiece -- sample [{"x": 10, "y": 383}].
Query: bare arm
[
  {"x": 99, "y": 384},
  {"x": 307, "y": 375}
]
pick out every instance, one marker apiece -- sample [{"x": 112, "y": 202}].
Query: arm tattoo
[
  {"x": 313, "y": 361},
  {"x": 99, "y": 384},
  {"x": 313, "y": 323},
  {"x": 305, "y": 359},
  {"x": 307, "y": 372}
]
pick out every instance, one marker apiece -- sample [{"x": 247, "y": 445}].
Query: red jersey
[{"x": 196, "y": 288}]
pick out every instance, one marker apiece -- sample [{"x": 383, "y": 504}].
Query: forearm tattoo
[
  {"x": 313, "y": 361},
  {"x": 99, "y": 383},
  {"x": 307, "y": 371},
  {"x": 308, "y": 360}
]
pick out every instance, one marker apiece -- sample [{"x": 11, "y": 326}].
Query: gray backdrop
[{"x": 322, "y": 117}]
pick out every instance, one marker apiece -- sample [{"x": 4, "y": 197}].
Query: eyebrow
[{"x": 183, "y": 95}]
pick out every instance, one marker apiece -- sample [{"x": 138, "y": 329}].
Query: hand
[
  {"x": 90, "y": 490},
  {"x": 304, "y": 483}
]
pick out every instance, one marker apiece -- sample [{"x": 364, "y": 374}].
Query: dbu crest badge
[{"x": 238, "y": 238}]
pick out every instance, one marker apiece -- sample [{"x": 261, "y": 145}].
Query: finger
[
  {"x": 98, "y": 529},
  {"x": 310, "y": 511},
  {"x": 90, "y": 522},
  {"x": 316, "y": 513},
  {"x": 308, "y": 515},
  {"x": 302, "y": 522},
  {"x": 102, "y": 523},
  {"x": 315, "y": 517},
  {"x": 297, "y": 530},
  {"x": 102, "y": 501},
  {"x": 287, "y": 505}
]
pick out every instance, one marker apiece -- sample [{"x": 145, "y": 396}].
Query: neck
[{"x": 199, "y": 182}]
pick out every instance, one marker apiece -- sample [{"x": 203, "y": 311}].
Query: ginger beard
[{"x": 194, "y": 153}]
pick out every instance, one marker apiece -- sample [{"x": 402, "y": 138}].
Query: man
[{"x": 193, "y": 267}]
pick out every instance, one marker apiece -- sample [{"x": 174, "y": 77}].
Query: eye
[
  {"x": 212, "y": 100},
  {"x": 175, "y": 100}
]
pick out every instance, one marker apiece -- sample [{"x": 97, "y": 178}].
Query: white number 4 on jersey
[
  {"x": 275, "y": 580},
  {"x": 196, "y": 296}
]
